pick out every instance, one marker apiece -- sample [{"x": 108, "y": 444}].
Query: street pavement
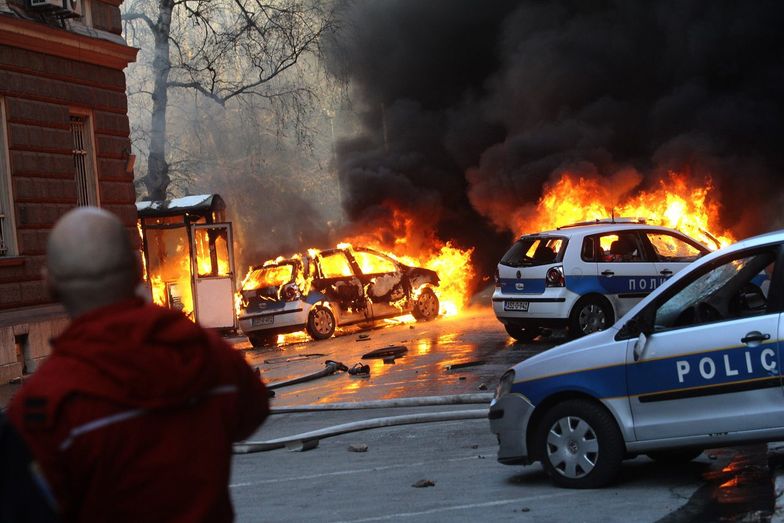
[{"x": 331, "y": 483}]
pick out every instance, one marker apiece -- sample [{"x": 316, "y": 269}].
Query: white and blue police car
[
  {"x": 585, "y": 275},
  {"x": 696, "y": 364}
]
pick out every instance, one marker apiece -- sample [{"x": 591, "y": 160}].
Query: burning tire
[
  {"x": 262, "y": 339},
  {"x": 321, "y": 323},
  {"x": 426, "y": 305}
]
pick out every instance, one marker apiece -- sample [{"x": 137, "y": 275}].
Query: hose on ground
[
  {"x": 309, "y": 440},
  {"x": 423, "y": 401}
]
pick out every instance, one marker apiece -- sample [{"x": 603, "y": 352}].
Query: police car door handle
[
  {"x": 608, "y": 273},
  {"x": 755, "y": 337},
  {"x": 666, "y": 272}
]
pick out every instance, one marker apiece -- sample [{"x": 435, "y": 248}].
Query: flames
[
  {"x": 677, "y": 202},
  {"x": 170, "y": 272},
  {"x": 404, "y": 238}
]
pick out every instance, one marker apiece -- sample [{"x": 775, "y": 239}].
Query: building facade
[{"x": 64, "y": 142}]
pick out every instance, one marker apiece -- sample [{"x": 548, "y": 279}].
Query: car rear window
[
  {"x": 272, "y": 276},
  {"x": 530, "y": 251}
]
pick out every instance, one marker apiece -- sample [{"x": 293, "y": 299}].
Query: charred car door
[{"x": 336, "y": 278}]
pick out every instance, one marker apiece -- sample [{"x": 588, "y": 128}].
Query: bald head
[{"x": 90, "y": 261}]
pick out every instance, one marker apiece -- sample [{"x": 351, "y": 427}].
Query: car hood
[{"x": 595, "y": 350}]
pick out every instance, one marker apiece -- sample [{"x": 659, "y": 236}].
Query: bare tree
[{"x": 225, "y": 49}]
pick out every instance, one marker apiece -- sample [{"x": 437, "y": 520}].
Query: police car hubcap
[
  {"x": 322, "y": 322},
  {"x": 592, "y": 319},
  {"x": 572, "y": 447}
]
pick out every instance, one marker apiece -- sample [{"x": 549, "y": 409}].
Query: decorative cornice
[{"x": 40, "y": 38}]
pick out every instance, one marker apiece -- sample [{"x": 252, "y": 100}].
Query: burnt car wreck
[{"x": 322, "y": 290}]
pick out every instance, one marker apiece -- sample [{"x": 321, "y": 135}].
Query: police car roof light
[{"x": 604, "y": 220}]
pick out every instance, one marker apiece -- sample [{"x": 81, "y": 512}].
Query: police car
[
  {"x": 696, "y": 364},
  {"x": 585, "y": 275}
]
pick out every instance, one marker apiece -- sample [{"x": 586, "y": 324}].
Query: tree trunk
[{"x": 157, "y": 179}]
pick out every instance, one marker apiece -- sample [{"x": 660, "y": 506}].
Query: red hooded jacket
[{"x": 133, "y": 415}]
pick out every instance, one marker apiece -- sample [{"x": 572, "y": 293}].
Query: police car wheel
[
  {"x": 262, "y": 340},
  {"x": 521, "y": 334},
  {"x": 590, "y": 314},
  {"x": 674, "y": 457},
  {"x": 321, "y": 323},
  {"x": 579, "y": 445},
  {"x": 426, "y": 305}
]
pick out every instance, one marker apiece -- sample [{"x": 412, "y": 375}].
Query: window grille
[{"x": 84, "y": 189}]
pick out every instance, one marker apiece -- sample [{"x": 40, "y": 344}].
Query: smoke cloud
[{"x": 469, "y": 108}]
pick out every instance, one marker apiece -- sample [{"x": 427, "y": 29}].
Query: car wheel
[
  {"x": 321, "y": 323},
  {"x": 674, "y": 457},
  {"x": 262, "y": 340},
  {"x": 426, "y": 305},
  {"x": 521, "y": 334},
  {"x": 590, "y": 314},
  {"x": 579, "y": 445}
]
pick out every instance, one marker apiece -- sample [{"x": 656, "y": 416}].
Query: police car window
[
  {"x": 619, "y": 247},
  {"x": 372, "y": 263},
  {"x": 671, "y": 248},
  {"x": 335, "y": 265},
  {"x": 731, "y": 290},
  {"x": 532, "y": 250}
]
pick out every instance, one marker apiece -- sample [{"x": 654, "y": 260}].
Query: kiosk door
[{"x": 213, "y": 271}]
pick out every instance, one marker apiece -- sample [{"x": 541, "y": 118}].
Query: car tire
[
  {"x": 321, "y": 323},
  {"x": 579, "y": 445},
  {"x": 259, "y": 340},
  {"x": 521, "y": 334},
  {"x": 674, "y": 457},
  {"x": 590, "y": 314},
  {"x": 426, "y": 306}
]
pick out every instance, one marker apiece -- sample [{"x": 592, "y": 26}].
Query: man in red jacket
[{"x": 133, "y": 415}]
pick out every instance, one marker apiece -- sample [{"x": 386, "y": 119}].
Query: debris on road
[
  {"x": 395, "y": 351},
  {"x": 463, "y": 365},
  {"x": 461, "y": 378},
  {"x": 360, "y": 369},
  {"x": 422, "y": 483},
  {"x": 330, "y": 367},
  {"x": 358, "y": 447},
  {"x": 363, "y": 337},
  {"x": 482, "y": 386},
  {"x": 294, "y": 358}
]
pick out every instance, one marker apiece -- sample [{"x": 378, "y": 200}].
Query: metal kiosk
[{"x": 189, "y": 257}]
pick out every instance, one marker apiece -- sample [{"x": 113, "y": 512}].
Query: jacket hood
[{"x": 139, "y": 354}]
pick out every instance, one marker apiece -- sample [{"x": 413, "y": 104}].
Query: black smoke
[{"x": 469, "y": 107}]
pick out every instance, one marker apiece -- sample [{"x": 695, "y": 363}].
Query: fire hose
[
  {"x": 330, "y": 367},
  {"x": 422, "y": 401},
  {"x": 309, "y": 440}
]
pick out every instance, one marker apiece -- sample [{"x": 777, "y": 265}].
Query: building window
[
  {"x": 84, "y": 170},
  {"x": 7, "y": 235}
]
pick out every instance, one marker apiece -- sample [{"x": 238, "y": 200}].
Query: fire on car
[{"x": 320, "y": 290}]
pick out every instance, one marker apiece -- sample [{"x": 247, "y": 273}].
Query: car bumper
[
  {"x": 290, "y": 319},
  {"x": 553, "y": 304},
  {"x": 509, "y": 418}
]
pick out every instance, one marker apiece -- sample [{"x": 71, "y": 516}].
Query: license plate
[
  {"x": 516, "y": 306},
  {"x": 263, "y": 320}
]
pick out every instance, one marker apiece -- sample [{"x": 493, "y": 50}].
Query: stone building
[{"x": 64, "y": 142}]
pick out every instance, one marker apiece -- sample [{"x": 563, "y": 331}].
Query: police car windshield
[{"x": 529, "y": 251}]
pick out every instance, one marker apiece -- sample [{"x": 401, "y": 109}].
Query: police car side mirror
[{"x": 639, "y": 346}]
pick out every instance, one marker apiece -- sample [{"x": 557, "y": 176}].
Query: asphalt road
[{"x": 332, "y": 483}]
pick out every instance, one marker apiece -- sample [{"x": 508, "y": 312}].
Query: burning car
[{"x": 321, "y": 290}]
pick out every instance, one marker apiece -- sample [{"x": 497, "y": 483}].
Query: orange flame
[{"x": 677, "y": 202}]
